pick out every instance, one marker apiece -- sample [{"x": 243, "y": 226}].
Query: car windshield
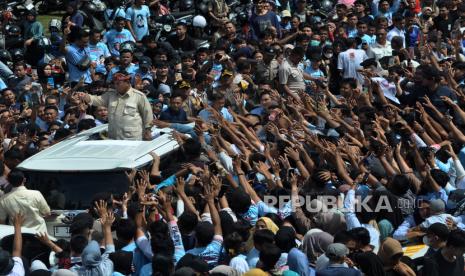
[{"x": 74, "y": 190}]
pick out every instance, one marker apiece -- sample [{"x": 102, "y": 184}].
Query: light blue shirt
[
  {"x": 353, "y": 222},
  {"x": 131, "y": 69},
  {"x": 74, "y": 55},
  {"x": 139, "y": 20},
  {"x": 98, "y": 53},
  {"x": 206, "y": 115},
  {"x": 113, "y": 38}
]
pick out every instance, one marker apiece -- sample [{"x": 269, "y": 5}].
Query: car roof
[{"x": 81, "y": 153}]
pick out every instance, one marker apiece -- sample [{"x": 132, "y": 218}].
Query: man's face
[
  {"x": 120, "y": 25},
  {"x": 381, "y": 35},
  {"x": 265, "y": 100},
  {"x": 83, "y": 42},
  {"x": 51, "y": 102},
  {"x": 20, "y": 71},
  {"x": 126, "y": 58},
  {"x": 43, "y": 144},
  {"x": 96, "y": 37},
  {"x": 30, "y": 17},
  {"x": 218, "y": 104},
  {"x": 346, "y": 90},
  {"x": 9, "y": 97},
  {"x": 201, "y": 57},
  {"x": 162, "y": 71},
  {"x": 307, "y": 31},
  {"x": 175, "y": 103},
  {"x": 50, "y": 115},
  {"x": 181, "y": 30},
  {"x": 230, "y": 28},
  {"x": 102, "y": 113},
  {"x": 384, "y": 6},
  {"x": 362, "y": 29},
  {"x": 443, "y": 12},
  {"x": 400, "y": 24},
  {"x": 359, "y": 8},
  {"x": 353, "y": 21},
  {"x": 122, "y": 86}
]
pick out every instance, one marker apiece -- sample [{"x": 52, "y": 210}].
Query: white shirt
[
  {"x": 349, "y": 61},
  {"x": 379, "y": 51},
  {"x": 396, "y": 32}
]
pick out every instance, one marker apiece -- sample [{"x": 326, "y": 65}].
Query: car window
[{"x": 74, "y": 190}]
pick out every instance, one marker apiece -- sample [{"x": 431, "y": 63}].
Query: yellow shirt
[
  {"x": 30, "y": 203},
  {"x": 129, "y": 114}
]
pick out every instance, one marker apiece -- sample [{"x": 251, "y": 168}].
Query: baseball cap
[
  {"x": 337, "y": 250},
  {"x": 439, "y": 229},
  {"x": 183, "y": 84},
  {"x": 145, "y": 62},
  {"x": 6, "y": 262},
  {"x": 285, "y": 13},
  {"x": 164, "y": 89}
]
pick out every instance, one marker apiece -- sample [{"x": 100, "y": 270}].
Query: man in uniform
[{"x": 129, "y": 112}]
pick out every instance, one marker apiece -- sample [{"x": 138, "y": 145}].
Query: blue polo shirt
[{"x": 74, "y": 55}]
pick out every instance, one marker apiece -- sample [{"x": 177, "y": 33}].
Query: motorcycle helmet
[
  {"x": 17, "y": 54},
  {"x": 199, "y": 21},
  {"x": 100, "y": 6},
  {"x": 54, "y": 25},
  {"x": 326, "y": 6},
  {"x": 127, "y": 46},
  {"x": 186, "y": 5},
  {"x": 91, "y": 7},
  {"x": 242, "y": 17},
  {"x": 13, "y": 30},
  {"x": 5, "y": 56},
  {"x": 43, "y": 42}
]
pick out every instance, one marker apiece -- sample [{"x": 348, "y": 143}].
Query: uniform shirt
[
  {"x": 113, "y": 38},
  {"x": 139, "y": 18},
  {"x": 31, "y": 203},
  {"x": 74, "y": 55},
  {"x": 128, "y": 114},
  {"x": 291, "y": 75}
]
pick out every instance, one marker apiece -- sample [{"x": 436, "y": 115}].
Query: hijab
[
  {"x": 315, "y": 244},
  {"x": 388, "y": 249},
  {"x": 270, "y": 225},
  {"x": 369, "y": 263}
]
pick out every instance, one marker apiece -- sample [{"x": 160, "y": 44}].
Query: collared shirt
[
  {"x": 31, "y": 203},
  {"x": 128, "y": 114},
  {"x": 396, "y": 32},
  {"x": 74, "y": 56},
  {"x": 291, "y": 75},
  {"x": 379, "y": 51}
]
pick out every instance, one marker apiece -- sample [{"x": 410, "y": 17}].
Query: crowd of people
[{"x": 313, "y": 140}]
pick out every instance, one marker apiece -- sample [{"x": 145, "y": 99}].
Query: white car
[{"x": 69, "y": 173}]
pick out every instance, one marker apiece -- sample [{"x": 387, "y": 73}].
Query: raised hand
[{"x": 100, "y": 207}]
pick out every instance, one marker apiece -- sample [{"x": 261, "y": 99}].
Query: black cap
[
  {"x": 145, "y": 62},
  {"x": 440, "y": 230},
  {"x": 369, "y": 62}
]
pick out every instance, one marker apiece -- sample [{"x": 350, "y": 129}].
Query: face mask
[
  {"x": 328, "y": 55},
  {"x": 314, "y": 43},
  {"x": 426, "y": 240}
]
